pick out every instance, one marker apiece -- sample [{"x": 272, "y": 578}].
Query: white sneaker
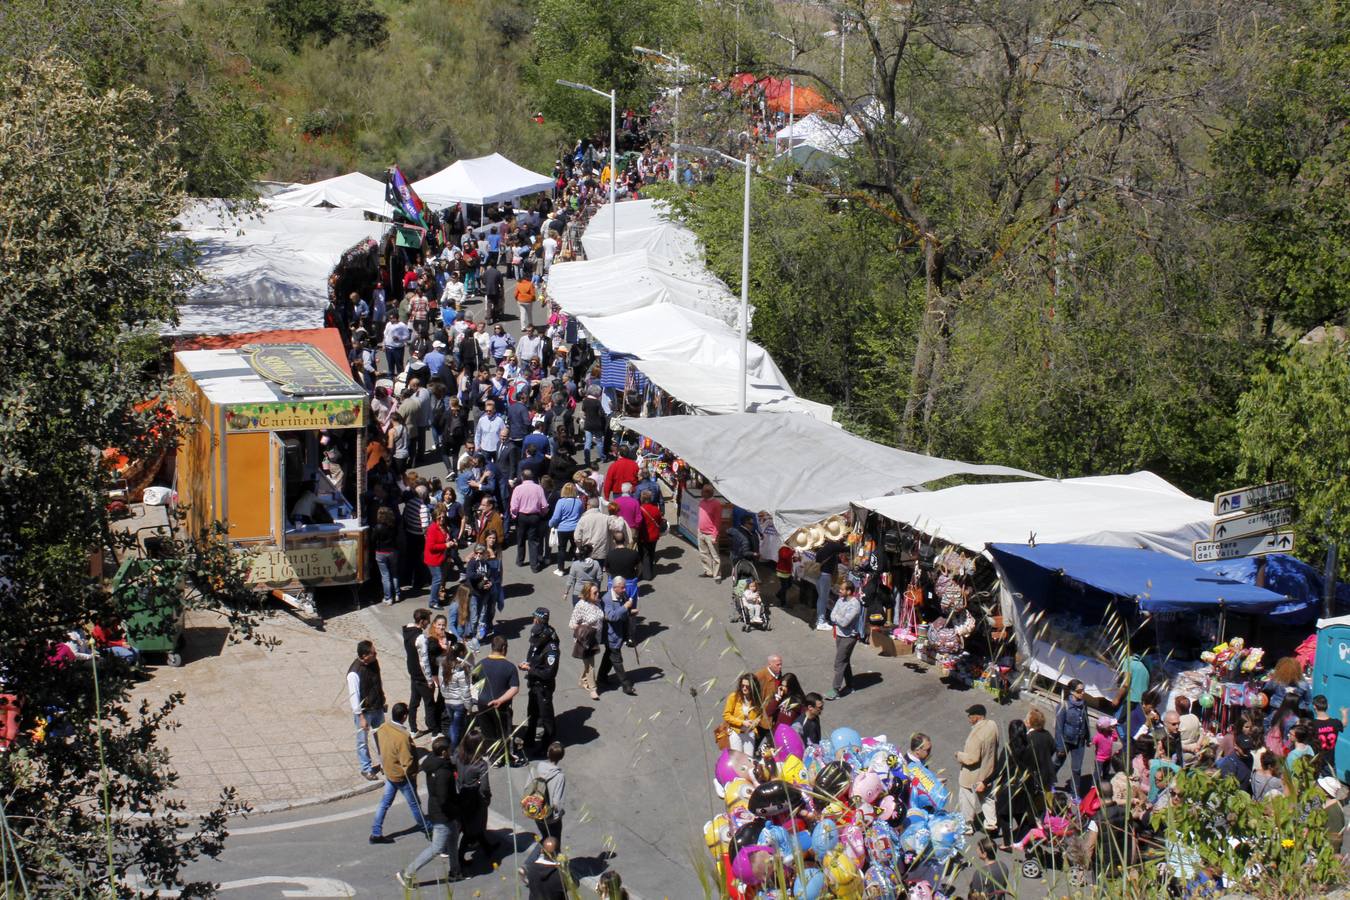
[{"x": 823, "y": 626}]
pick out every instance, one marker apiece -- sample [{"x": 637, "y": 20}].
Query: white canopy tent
[
  {"x": 639, "y": 278},
  {"x": 793, "y": 466},
  {"x": 351, "y": 191},
  {"x": 817, "y": 132},
  {"x": 264, "y": 268},
  {"x": 641, "y": 225},
  {"x": 715, "y": 390},
  {"x": 1135, "y": 510},
  {"x": 485, "y": 179}
]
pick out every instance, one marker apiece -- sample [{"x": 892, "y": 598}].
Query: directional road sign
[
  {"x": 1251, "y": 523},
  {"x": 1251, "y": 545},
  {"x": 1254, "y": 497}
]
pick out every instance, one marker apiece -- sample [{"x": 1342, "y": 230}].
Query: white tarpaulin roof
[
  {"x": 629, "y": 281},
  {"x": 642, "y": 225},
  {"x": 486, "y": 179},
  {"x": 826, "y": 136},
  {"x": 351, "y": 191},
  {"x": 668, "y": 333},
  {"x": 793, "y": 466},
  {"x": 267, "y": 268},
  {"x": 1135, "y": 510},
  {"x": 716, "y": 391}
]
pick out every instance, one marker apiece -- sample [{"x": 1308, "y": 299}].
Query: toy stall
[
  {"x": 1077, "y": 609},
  {"x": 277, "y": 456}
]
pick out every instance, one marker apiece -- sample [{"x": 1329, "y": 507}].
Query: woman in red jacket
[
  {"x": 649, "y": 531},
  {"x": 434, "y": 552}
]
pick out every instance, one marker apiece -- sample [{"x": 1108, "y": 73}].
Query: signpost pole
[{"x": 1329, "y": 581}]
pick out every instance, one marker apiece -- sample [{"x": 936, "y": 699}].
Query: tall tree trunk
[{"x": 922, "y": 369}]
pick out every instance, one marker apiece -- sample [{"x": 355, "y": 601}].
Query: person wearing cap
[
  {"x": 977, "y": 759},
  {"x": 435, "y": 360},
  {"x": 541, "y": 679}
]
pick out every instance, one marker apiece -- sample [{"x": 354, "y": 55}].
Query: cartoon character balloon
[
  {"x": 881, "y": 882},
  {"x": 749, "y": 865},
  {"x": 883, "y": 845},
  {"x": 788, "y": 742},
  {"x": 854, "y": 842},
  {"x": 824, "y": 838},
  {"x": 733, "y": 764},
  {"x": 809, "y": 885},
  {"x": 843, "y": 738}
]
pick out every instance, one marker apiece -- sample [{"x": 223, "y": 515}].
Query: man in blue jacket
[{"x": 616, "y": 631}]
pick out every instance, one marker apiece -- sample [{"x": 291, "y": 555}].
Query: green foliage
[
  {"x": 83, "y": 264},
  {"x": 832, "y": 297},
  {"x": 592, "y": 43},
  {"x": 323, "y": 21},
  {"x": 1284, "y": 167},
  {"x": 1294, "y": 424}
]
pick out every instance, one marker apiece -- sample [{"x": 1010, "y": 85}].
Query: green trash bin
[{"x": 153, "y": 619}]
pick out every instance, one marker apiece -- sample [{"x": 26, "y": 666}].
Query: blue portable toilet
[{"x": 1331, "y": 676}]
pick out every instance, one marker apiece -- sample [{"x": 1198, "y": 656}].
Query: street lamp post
[
  {"x": 745, "y": 264},
  {"x": 613, "y": 157},
  {"x": 679, "y": 71}
]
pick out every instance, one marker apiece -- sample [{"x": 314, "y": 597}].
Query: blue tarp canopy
[
  {"x": 1298, "y": 581},
  {"x": 1157, "y": 582}
]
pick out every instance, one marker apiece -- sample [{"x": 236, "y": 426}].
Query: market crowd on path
[{"x": 523, "y": 427}]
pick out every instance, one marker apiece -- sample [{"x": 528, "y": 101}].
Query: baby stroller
[
  {"x": 742, "y": 574},
  {"x": 1054, "y": 840}
]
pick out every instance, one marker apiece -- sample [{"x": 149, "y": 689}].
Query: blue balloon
[
  {"x": 776, "y": 836},
  {"x": 810, "y": 885},
  {"x": 843, "y": 736},
  {"x": 804, "y": 841},
  {"x": 824, "y": 838}
]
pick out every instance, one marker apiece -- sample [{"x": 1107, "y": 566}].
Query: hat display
[{"x": 835, "y": 528}]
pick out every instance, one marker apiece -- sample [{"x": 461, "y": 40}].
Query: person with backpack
[
  {"x": 847, "y": 618},
  {"x": 1071, "y": 732},
  {"x": 442, "y": 812},
  {"x": 544, "y": 798}
]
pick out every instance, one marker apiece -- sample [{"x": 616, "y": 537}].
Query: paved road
[{"x": 639, "y": 768}]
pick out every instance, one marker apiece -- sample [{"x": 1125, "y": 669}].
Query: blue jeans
[
  {"x": 387, "y": 562},
  {"x": 391, "y": 788},
  {"x": 394, "y": 357},
  {"x": 374, "y": 718},
  {"x": 822, "y": 597},
  {"x": 594, "y": 439},
  {"x": 455, "y": 719},
  {"x": 434, "y": 598},
  {"x": 1076, "y": 768},
  {"x": 444, "y": 839}
]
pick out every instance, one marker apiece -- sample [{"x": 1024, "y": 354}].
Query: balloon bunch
[{"x": 848, "y": 818}]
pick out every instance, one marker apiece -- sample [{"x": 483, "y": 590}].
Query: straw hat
[
  {"x": 817, "y": 536},
  {"x": 835, "y": 528},
  {"x": 799, "y": 540}
]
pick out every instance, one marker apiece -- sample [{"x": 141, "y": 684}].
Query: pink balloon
[
  {"x": 743, "y": 865},
  {"x": 733, "y": 764},
  {"x": 788, "y": 742}
]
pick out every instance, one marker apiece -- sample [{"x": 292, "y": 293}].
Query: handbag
[
  {"x": 585, "y": 641},
  {"x": 722, "y": 735}
]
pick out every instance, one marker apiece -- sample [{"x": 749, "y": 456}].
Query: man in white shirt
[
  {"x": 396, "y": 336},
  {"x": 530, "y": 346},
  {"x": 487, "y": 433},
  {"x": 550, "y": 245},
  {"x": 453, "y": 295}
]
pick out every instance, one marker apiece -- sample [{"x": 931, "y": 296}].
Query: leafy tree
[
  {"x": 84, "y": 265},
  {"x": 1283, "y": 168},
  {"x": 325, "y": 20},
  {"x": 1294, "y": 424},
  {"x": 592, "y": 43}
]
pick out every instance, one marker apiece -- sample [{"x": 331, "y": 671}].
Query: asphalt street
[{"x": 639, "y": 768}]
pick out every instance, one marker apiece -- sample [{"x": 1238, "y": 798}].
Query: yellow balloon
[
  {"x": 843, "y": 876},
  {"x": 738, "y": 793}
]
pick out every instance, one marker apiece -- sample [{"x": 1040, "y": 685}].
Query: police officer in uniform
[{"x": 541, "y": 679}]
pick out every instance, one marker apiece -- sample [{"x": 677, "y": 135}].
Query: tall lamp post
[
  {"x": 613, "y": 157},
  {"x": 745, "y": 262},
  {"x": 679, "y": 72}
]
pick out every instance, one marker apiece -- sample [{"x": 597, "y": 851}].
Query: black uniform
[{"x": 541, "y": 680}]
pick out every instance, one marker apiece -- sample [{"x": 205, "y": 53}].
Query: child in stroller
[
  {"x": 1055, "y": 837},
  {"x": 747, "y": 606}
]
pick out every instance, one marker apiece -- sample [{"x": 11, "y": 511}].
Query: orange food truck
[{"x": 277, "y": 455}]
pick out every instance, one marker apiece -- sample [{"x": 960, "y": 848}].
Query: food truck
[{"x": 277, "y": 454}]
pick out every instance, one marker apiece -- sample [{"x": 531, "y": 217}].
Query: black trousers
[
  {"x": 424, "y": 694},
  {"x": 539, "y": 717},
  {"x": 528, "y": 537},
  {"x": 551, "y": 829},
  {"x": 647, "y": 559},
  {"x": 565, "y": 548},
  {"x": 497, "y": 726},
  {"x": 613, "y": 659}
]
